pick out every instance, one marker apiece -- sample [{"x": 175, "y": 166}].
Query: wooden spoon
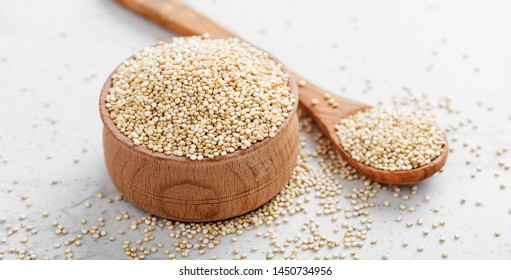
[{"x": 184, "y": 20}]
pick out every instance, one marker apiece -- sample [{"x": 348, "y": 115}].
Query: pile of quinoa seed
[
  {"x": 199, "y": 98},
  {"x": 390, "y": 140}
]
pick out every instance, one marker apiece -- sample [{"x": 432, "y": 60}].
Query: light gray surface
[{"x": 55, "y": 55}]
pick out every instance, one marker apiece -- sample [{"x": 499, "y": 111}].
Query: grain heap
[
  {"x": 199, "y": 98},
  {"x": 390, "y": 140}
]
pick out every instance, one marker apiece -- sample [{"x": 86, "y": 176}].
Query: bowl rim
[{"x": 141, "y": 149}]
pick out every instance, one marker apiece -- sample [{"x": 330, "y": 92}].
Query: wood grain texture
[
  {"x": 176, "y": 16},
  {"x": 165, "y": 12},
  {"x": 180, "y": 189}
]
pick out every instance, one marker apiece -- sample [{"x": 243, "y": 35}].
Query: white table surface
[{"x": 55, "y": 56}]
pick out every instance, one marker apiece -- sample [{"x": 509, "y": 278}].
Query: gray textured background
[{"x": 55, "y": 55}]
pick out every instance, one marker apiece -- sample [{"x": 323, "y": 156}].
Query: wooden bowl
[{"x": 180, "y": 189}]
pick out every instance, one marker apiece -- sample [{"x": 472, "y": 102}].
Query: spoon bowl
[{"x": 402, "y": 177}]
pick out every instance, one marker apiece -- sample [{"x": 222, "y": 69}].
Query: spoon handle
[{"x": 177, "y": 17}]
